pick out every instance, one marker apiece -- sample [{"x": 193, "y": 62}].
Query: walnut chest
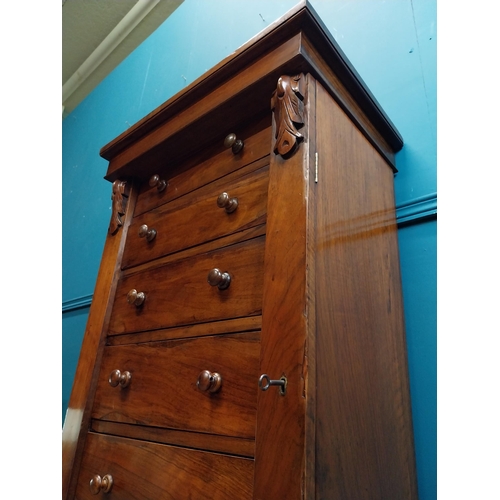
[{"x": 246, "y": 337}]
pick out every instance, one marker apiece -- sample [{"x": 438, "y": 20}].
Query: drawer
[
  {"x": 199, "y": 218},
  {"x": 201, "y": 170},
  {"x": 178, "y": 293},
  {"x": 162, "y": 389},
  {"x": 145, "y": 471}
]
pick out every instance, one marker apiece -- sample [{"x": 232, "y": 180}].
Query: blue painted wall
[{"x": 391, "y": 43}]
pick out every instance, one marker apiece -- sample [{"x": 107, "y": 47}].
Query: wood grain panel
[
  {"x": 178, "y": 293},
  {"x": 146, "y": 471},
  {"x": 246, "y": 324},
  {"x": 205, "y": 168},
  {"x": 281, "y": 420},
  {"x": 364, "y": 446},
  {"x": 309, "y": 370},
  {"x": 200, "y": 219},
  {"x": 244, "y": 447},
  {"x": 78, "y": 413},
  {"x": 163, "y": 389},
  {"x": 209, "y": 246}
]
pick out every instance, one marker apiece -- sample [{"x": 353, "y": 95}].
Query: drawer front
[
  {"x": 199, "y": 220},
  {"x": 162, "y": 388},
  {"x": 145, "y": 471},
  {"x": 201, "y": 171},
  {"x": 178, "y": 293}
]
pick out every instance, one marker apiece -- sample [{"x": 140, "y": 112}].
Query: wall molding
[
  {"x": 411, "y": 212},
  {"x": 78, "y": 303},
  {"x": 417, "y": 210}
]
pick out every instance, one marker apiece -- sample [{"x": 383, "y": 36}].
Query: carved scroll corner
[
  {"x": 287, "y": 103},
  {"x": 117, "y": 206}
]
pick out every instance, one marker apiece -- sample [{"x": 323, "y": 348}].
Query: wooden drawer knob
[
  {"x": 145, "y": 232},
  {"x": 98, "y": 484},
  {"x": 122, "y": 378},
  {"x": 228, "y": 203},
  {"x": 160, "y": 184},
  {"x": 232, "y": 142},
  {"x": 136, "y": 298},
  {"x": 208, "y": 381},
  {"x": 219, "y": 279}
]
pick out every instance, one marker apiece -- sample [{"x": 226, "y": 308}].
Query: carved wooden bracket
[
  {"x": 118, "y": 206},
  {"x": 288, "y": 106}
]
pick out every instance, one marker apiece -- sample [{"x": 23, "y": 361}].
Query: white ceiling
[{"x": 98, "y": 34}]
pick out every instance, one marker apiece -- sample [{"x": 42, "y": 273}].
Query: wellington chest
[{"x": 246, "y": 336}]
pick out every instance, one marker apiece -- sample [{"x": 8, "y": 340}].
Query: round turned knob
[
  {"x": 117, "y": 377},
  {"x": 98, "y": 484},
  {"x": 219, "y": 279},
  {"x": 208, "y": 381},
  {"x": 160, "y": 184},
  {"x": 145, "y": 232},
  {"x": 232, "y": 142},
  {"x": 136, "y": 298},
  {"x": 230, "y": 204}
]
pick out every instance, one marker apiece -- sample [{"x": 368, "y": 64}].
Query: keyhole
[{"x": 283, "y": 386}]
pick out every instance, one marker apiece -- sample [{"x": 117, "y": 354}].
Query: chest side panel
[{"x": 364, "y": 446}]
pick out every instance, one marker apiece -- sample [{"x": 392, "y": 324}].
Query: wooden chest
[{"x": 246, "y": 336}]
